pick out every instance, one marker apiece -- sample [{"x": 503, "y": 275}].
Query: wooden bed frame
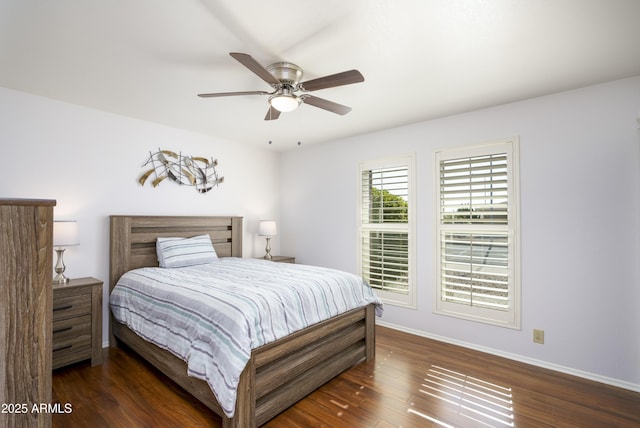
[{"x": 278, "y": 374}]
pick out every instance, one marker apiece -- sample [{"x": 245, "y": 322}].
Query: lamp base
[
  {"x": 60, "y": 279},
  {"x": 60, "y": 267},
  {"x": 268, "y": 249}
]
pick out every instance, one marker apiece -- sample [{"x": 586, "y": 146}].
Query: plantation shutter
[
  {"x": 475, "y": 269},
  {"x": 474, "y": 190},
  {"x": 474, "y": 262},
  {"x": 476, "y": 232},
  {"x": 384, "y": 228}
]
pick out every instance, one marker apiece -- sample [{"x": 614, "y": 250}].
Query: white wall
[
  {"x": 89, "y": 161},
  {"x": 580, "y": 215}
]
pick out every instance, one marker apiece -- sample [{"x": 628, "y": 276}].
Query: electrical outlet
[{"x": 538, "y": 336}]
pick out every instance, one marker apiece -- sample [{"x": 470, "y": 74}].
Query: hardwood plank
[
  {"x": 385, "y": 392},
  {"x": 125, "y": 392}
]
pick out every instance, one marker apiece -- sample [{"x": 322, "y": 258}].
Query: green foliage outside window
[{"x": 387, "y": 207}]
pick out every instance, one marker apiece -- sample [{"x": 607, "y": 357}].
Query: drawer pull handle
[
  {"x": 60, "y": 330},
  {"x": 62, "y": 308},
  {"x": 61, "y": 348}
]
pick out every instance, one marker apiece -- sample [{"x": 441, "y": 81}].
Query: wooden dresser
[
  {"x": 26, "y": 254},
  {"x": 77, "y": 322}
]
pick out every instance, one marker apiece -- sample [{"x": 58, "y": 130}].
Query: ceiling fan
[{"x": 284, "y": 78}]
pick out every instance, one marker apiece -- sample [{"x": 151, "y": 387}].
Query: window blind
[
  {"x": 385, "y": 260},
  {"x": 475, "y": 269},
  {"x": 474, "y": 190},
  {"x": 477, "y": 252},
  {"x": 384, "y": 245}
]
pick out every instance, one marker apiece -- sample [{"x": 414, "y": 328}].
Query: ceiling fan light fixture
[
  {"x": 285, "y": 80},
  {"x": 284, "y": 102}
]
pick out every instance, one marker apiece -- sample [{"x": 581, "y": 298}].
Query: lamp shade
[
  {"x": 268, "y": 228},
  {"x": 65, "y": 233}
]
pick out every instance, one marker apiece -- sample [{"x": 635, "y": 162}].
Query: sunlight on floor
[{"x": 483, "y": 403}]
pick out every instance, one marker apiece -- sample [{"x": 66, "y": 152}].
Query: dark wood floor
[{"x": 413, "y": 382}]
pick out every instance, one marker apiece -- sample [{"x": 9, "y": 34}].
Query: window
[
  {"x": 477, "y": 233},
  {"x": 386, "y": 232}
]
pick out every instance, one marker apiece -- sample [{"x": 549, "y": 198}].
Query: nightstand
[
  {"x": 283, "y": 259},
  {"x": 77, "y": 322}
]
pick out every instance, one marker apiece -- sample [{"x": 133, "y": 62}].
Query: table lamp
[
  {"x": 268, "y": 228},
  {"x": 65, "y": 234}
]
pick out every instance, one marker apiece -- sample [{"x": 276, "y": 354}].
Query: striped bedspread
[{"x": 213, "y": 315}]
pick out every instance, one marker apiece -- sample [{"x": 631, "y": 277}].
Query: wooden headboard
[{"x": 133, "y": 238}]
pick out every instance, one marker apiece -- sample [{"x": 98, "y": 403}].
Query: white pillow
[{"x": 180, "y": 252}]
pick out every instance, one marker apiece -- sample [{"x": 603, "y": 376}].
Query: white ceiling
[{"x": 421, "y": 59}]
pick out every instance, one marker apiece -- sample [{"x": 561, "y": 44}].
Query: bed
[{"x": 279, "y": 373}]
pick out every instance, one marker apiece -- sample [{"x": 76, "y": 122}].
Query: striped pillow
[{"x": 180, "y": 252}]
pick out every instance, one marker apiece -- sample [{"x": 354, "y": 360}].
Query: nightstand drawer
[
  {"x": 77, "y": 322},
  {"x": 71, "y": 340},
  {"x": 71, "y": 354},
  {"x": 71, "y": 328},
  {"x": 72, "y": 303}
]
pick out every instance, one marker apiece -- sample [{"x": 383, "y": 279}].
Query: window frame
[
  {"x": 389, "y": 297},
  {"x": 510, "y": 318}
]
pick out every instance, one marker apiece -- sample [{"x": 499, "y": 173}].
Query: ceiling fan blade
[
  {"x": 338, "y": 79},
  {"x": 229, "y": 94},
  {"x": 255, "y": 67},
  {"x": 272, "y": 114},
  {"x": 326, "y": 105}
]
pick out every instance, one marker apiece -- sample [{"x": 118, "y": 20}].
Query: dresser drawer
[{"x": 71, "y": 304}]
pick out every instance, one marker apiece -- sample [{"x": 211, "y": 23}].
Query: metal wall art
[{"x": 185, "y": 170}]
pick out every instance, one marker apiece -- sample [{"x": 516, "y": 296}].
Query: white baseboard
[{"x": 539, "y": 363}]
